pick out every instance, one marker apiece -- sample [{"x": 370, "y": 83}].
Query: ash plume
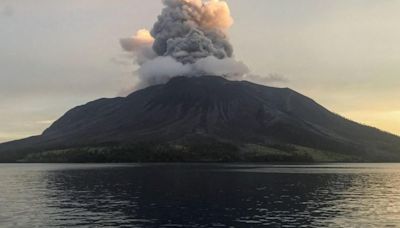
[
  {"x": 189, "y": 30},
  {"x": 140, "y": 45},
  {"x": 188, "y": 39}
]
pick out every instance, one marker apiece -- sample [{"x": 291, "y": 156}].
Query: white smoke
[
  {"x": 162, "y": 68},
  {"x": 188, "y": 39},
  {"x": 227, "y": 67}
]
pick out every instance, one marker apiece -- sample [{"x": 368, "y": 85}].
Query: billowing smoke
[
  {"x": 188, "y": 30},
  {"x": 161, "y": 69},
  {"x": 189, "y": 39},
  {"x": 140, "y": 45}
]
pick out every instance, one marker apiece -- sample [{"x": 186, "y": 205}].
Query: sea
[{"x": 199, "y": 195}]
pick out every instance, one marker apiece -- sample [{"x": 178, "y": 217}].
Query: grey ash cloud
[
  {"x": 191, "y": 30},
  {"x": 188, "y": 39}
]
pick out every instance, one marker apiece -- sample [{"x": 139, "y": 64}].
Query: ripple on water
[{"x": 337, "y": 195}]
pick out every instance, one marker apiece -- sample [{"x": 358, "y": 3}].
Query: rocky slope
[{"x": 199, "y": 109}]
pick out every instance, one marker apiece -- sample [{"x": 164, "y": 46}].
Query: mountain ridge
[{"x": 189, "y": 110}]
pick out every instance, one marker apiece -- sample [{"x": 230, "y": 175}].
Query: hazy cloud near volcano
[{"x": 270, "y": 79}]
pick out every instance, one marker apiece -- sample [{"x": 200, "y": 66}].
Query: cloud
[
  {"x": 121, "y": 61},
  {"x": 44, "y": 122},
  {"x": 7, "y": 11},
  {"x": 272, "y": 78},
  {"x": 140, "y": 46}
]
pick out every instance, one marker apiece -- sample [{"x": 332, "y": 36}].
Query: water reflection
[{"x": 201, "y": 196}]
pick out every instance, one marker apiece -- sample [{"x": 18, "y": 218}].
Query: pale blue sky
[{"x": 56, "y": 54}]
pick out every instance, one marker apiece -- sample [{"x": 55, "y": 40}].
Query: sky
[{"x": 57, "y": 54}]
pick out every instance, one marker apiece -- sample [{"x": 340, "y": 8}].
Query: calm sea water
[{"x": 194, "y": 195}]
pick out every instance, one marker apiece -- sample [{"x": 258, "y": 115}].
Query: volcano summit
[
  {"x": 204, "y": 118},
  {"x": 184, "y": 115}
]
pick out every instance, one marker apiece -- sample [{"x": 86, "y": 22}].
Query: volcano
[{"x": 205, "y": 118}]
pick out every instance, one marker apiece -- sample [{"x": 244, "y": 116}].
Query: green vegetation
[
  {"x": 327, "y": 156},
  {"x": 291, "y": 153},
  {"x": 143, "y": 152},
  {"x": 273, "y": 153},
  {"x": 205, "y": 152}
]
